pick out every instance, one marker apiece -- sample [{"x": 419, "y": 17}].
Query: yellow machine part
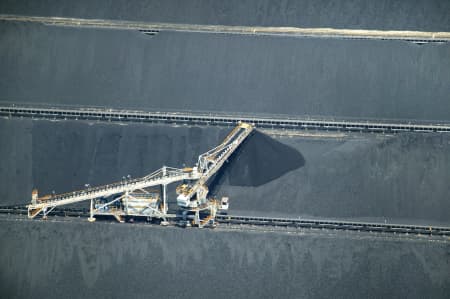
[{"x": 183, "y": 188}]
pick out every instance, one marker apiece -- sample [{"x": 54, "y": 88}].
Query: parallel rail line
[
  {"x": 217, "y": 119},
  {"x": 23, "y": 210},
  {"x": 279, "y": 222},
  {"x": 336, "y": 225}
]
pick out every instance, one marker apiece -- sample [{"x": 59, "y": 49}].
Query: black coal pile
[{"x": 259, "y": 160}]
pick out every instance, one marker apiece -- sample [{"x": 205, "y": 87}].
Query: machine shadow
[{"x": 259, "y": 160}]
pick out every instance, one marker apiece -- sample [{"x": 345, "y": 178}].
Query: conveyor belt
[
  {"x": 165, "y": 175},
  {"x": 217, "y": 119},
  {"x": 336, "y": 225},
  {"x": 278, "y": 222},
  {"x": 154, "y": 28}
]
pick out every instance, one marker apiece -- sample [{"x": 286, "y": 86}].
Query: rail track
[
  {"x": 336, "y": 225},
  {"x": 277, "y": 222},
  {"x": 182, "y": 118},
  {"x": 23, "y": 210}
]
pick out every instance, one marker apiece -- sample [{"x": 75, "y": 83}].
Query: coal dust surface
[
  {"x": 77, "y": 259},
  {"x": 430, "y": 15},
  {"x": 393, "y": 178},
  {"x": 259, "y": 160},
  {"x": 219, "y": 73}
]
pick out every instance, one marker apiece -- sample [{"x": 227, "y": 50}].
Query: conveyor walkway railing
[
  {"x": 162, "y": 176},
  {"x": 221, "y": 120},
  {"x": 210, "y": 162}
]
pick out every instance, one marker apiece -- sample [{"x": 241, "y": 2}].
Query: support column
[
  {"x": 197, "y": 218},
  {"x": 164, "y": 195},
  {"x": 91, "y": 218},
  {"x": 164, "y": 209},
  {"x": 126, "y": 202},
  {"x": 165, "y": 199},
  {"x": 44, "y": 213}
]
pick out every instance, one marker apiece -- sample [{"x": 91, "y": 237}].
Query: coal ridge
[
  {"x": 357, "y": 14},
  {"x": 105, "y": 260},
  {"x": 263, "y": 159},
  {"x": 258, "y": 160},
  {"x": 267, "y": 75},
  {"x": 401, "y": 177}
]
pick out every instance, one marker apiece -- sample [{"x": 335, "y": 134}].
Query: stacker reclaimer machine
[{"x": 139, "y": 198}]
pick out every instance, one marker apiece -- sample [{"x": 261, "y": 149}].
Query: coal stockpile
[
  {"x": 262, "y": 159},
  {"x": 389, "y": 178},
  {"x": 259, "y": 160},
  {"x": 397, "y": 178},
  {"x": 64, "y": 156},
  {"x": 394, "y": 178},
  {"x": 81, "y": 259},
  {"x": 431, "y": 15},
  {"x": 17, "y": 161},
  {"x": 224, "y": 73}
]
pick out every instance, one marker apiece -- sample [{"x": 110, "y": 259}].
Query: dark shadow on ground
[{"x": 259, "y": 160}]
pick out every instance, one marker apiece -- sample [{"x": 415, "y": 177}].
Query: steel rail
[
  {"x": 23, "y": 210},
  {"x": 336, "y": 225},
  {"x": 279, "y": 222},
  {"x": 218, "y": 119}
]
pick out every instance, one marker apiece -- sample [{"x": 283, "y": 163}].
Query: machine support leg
[
  {"x": 197, "y": 218},
  {"x": 165, "y": 199},
  {"x": 91, "y": 218},
  {"x": 126, "y": 202},
  {"x": 164, "y": 209}
]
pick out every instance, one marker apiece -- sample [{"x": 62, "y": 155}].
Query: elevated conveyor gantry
[
  {"x": 209, "y": 163},
  {"x": 132, "y": 198},
  {"x": 163, "y": 177},
  {"x": 193, "y": 196}
]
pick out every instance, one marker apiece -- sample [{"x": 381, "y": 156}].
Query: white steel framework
[{"x": 134, "y": 199}]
